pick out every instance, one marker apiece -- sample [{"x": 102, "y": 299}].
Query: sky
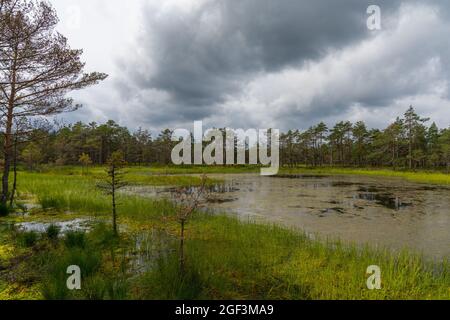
[{"x": 285, "y": 64}]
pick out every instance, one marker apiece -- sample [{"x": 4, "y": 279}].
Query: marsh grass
[
  {"x": 55, "y": 266},
  {"x": 166, "y": 282},
  {"x": 27, "y": 239},
  {"x": 51, "y": 202},
  {"x": 240, "y": 260},
  {"x": 75, "y": 239},
  {"x": 79, "y": 194},
  {"x": 53, "y": 232},
  {"x": 173, "y": 175},
  {"x": 421, "y": 176},
  {"x": 226, "y": 258},
  {"x": 91, "y": 252},
  {"x": 430, "y": 177}
]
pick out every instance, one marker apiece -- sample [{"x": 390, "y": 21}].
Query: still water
[{"x": 379, "y": 211}]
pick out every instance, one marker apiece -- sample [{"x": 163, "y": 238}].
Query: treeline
[
  {"x": 70, "y": 144},
  {"x": 406, "y": 143}
]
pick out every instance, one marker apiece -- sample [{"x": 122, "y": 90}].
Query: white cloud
[
  {"x": 381, "y": 75},
  {"x": 373, "y": 79}
]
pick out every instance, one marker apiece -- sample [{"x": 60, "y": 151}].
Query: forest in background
[{"x": 409, "y": 142}]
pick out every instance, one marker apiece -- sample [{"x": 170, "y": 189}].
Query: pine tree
[
  {"x": 412, "y": 125},
  {"x": 113, "y": 182},
  {"x": 37, "y": 69}
]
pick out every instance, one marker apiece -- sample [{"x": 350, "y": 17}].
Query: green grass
[
  {"x": 27, "y": 239},
  {"x": 419, "y": 176},
  {"x": 79, "y": 194},
  {"x": 53, "y": 232},
  {"x": 252, "y": 261},
  {"x": 176, "y": 175},
  {"x": 230, "y": 259},
  {"x": 226, "y": 258},
  {"x": 75, "y": 239}
]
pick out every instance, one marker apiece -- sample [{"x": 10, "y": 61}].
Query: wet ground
[
  {"x": 382, "y": 212},
  {"x": 64, "y": 226}
]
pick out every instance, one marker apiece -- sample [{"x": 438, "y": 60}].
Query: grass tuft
[{"x": 75, "y": 239}]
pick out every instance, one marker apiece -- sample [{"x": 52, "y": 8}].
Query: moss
[
  {"x": 6, "y": 252},
  {"x": 19, "y": 292}
]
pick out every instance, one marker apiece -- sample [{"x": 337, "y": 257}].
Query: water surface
[{"x": 379, "y": 211}]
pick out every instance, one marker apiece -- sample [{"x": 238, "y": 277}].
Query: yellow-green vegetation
[
  {"x": 141, "y": 175},
  {"x": 225, "y": 258},
  {"x": 6, "y": 252},
  {"x": 418, "y": 176},
  {"x": 163, "y": 175},
  {"x": 176, "y": 175}
]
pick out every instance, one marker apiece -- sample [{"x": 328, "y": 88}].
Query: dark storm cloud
[
  {"x": 196, "y": 60},
  {"x": 202, "y": 55}
]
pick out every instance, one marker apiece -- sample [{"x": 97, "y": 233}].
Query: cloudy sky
[{"x": 260, "y": 63}]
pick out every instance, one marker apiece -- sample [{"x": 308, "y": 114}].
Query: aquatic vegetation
[{"x": 225, "y": 258}]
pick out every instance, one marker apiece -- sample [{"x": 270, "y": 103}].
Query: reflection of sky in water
[{"x": 75, "y": 225}]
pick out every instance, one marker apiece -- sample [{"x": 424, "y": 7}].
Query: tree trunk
[
  {"x": 410, "y": 152},
  {"x": 8, "y": 132},
  {"x": 13, "y": 191},
  {"x": 7, "y": 151},
  {"x": 331, "y": 155}
]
